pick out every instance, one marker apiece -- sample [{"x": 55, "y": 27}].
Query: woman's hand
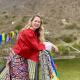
[{"x": 56, "y": 50}]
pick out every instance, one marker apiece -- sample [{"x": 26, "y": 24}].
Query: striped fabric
[
  {"x": 47, "y": 64},
  {"x": 31, "y": 65}
]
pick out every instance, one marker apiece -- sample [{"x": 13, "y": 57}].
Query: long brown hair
[{"x": 38, "y": 31}]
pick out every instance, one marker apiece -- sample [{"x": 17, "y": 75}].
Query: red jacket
[{"x": 28, "y": 45}]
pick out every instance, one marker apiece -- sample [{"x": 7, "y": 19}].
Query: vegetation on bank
[{"x": 68, "y": 69}]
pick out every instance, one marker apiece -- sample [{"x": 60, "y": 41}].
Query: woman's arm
[{"x": 34, "y": 42}]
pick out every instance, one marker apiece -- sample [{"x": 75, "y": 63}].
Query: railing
[
  {"x": 4, "y": 74},
  {"x": 42, "y": 70}
]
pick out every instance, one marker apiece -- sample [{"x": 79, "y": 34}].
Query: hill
[{"x": 54, "y": 12}]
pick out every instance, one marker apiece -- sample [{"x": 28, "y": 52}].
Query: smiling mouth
[{"x": 36, "y": 26}]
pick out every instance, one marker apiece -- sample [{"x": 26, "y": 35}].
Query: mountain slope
[{"x": 53, "y": 11}]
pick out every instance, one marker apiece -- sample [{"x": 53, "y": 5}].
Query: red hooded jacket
[{"x": 28, "y": 45}]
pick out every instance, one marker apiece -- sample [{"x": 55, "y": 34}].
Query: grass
[{"x": 69, "y": 69}]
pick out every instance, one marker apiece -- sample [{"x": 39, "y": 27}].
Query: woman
[{"x": 27, "y": 46}]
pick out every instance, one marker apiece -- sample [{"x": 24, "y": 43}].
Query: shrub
[
  {"x": 6, "y": 16},
  {"x": 24, "y": 19},
  {"x": 4, "y": 12},
  {"x": 18, "y": 27},
  {"x": 76, "y": 45},
  {"x": 68, "y": 38},
  {"x": 64, "y": 50},
  {"x": 1, "y": 23},
  {"x": 13, "y": 16},
  {"x": 72, "y": 26}
]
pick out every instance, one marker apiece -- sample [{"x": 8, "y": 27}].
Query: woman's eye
[{"x": 37, "y": 21}]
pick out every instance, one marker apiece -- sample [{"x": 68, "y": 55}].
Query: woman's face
[{"x": 36, "y": 23}]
